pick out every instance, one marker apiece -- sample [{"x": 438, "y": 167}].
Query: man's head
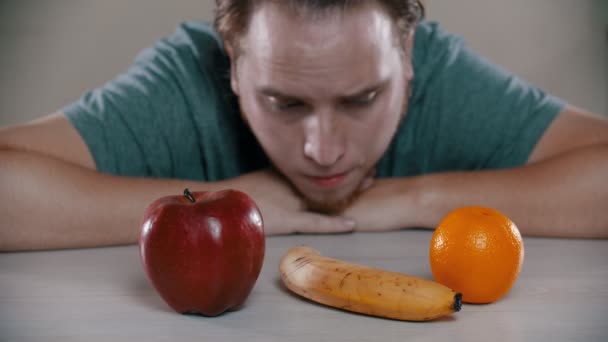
[{"x": 322, "y": 85}]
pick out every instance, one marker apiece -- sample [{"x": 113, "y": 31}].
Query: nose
[{"x": 324, "y": 141}]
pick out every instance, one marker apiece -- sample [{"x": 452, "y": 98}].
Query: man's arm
[
  {"x": 562, "y": 190},
  {"x": 53, "y": 197}
]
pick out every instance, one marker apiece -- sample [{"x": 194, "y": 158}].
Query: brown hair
[{"x": 232, "y": 16}]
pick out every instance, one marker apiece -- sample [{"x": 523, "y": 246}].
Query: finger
[
  {"x": 319, "y": 223},
  {"x": 368, "y": 181},
  {"x": 372, "y": 173},
  {"x": 366, "y": 184}
]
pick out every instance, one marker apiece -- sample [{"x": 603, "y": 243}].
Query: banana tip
[{"x": 457, "y": 306}]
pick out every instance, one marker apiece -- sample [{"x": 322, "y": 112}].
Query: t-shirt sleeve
[
  {"x": 140, "y": 123},
  {"x": 473, "y": 114}
]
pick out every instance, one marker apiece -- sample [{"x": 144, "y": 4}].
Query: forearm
[
  {"x": 566, "y": 196},
  {"x": 47, "y": 203}
]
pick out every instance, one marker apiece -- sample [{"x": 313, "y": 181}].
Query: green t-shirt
[{"x": 172, "y": 114}]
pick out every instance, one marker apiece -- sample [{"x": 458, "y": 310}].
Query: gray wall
[{"x": 52, "y": 51}]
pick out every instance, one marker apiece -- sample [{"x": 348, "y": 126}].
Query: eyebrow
[
  {"x": 268, "y": 91},
  {"x": 271, "y": 92}
]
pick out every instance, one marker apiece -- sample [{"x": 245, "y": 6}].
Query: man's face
[{"x": 323, "y": 95}]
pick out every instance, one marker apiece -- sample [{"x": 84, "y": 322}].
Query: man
[{"x": 334, "y": 116}]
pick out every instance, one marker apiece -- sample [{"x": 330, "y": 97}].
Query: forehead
[
  {"x": 355, "y": 43},
  {"x": 279, "y": 28}
]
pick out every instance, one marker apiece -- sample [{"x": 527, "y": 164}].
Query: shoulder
[
  {"x": 434, "y": 48},
  {"x": 192, "y": 44},
  {"x": 428, "y": 32},
  {"x": 431, "y": 38},
  {"x": 198, "y": 36}
]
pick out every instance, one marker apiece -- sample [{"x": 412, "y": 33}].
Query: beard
[{"x": 329, "y": 205}]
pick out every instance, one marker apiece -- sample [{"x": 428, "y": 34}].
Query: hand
[
  {"x": 383, "y": 205},
  {"x": 282, "y": 209}
]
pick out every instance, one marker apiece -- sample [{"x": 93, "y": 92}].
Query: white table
[{"x": 103, "y": 295}]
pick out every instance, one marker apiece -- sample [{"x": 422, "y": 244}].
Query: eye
[
  {"x": 363, "y": 100},
  {"x": 280, "y": 104},
  {"x": 287, "y": 105}
]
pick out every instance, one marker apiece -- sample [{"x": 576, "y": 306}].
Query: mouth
[{"x": 330, "y": 181}]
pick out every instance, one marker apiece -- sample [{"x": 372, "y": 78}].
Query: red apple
[{"x": 203, "y": 251}]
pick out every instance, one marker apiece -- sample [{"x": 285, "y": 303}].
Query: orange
[{"x": 478, "y": 252}]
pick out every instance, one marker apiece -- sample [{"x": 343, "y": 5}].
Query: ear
[
  {"x": 409, "y": 54},
  {"x": 234, "y": 84}
]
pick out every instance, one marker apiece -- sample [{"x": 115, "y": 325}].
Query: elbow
[{"x": 5, "y": 141}]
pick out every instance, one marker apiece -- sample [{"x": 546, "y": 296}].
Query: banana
[{"x": 364, "y": 289}]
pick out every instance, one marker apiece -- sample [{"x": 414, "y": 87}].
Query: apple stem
[{"x": 188, "y": 195}]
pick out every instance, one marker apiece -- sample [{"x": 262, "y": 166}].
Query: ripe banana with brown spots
[{"x": 364, "y": 289}]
